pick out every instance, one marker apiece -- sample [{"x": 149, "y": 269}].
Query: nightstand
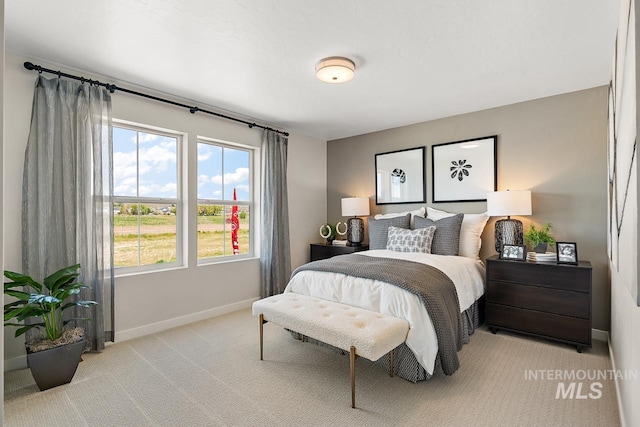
[
  {"x": 323, "y": 251},
  {"x": 542, "y": 299}
]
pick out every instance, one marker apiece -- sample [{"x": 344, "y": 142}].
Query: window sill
[
  {"x": 118, "y": 274},
  {"x": 213, "y": 261}
]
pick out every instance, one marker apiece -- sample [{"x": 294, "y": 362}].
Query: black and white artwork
[
  {"x": 567, "y": 253},
  {"x": 623, "y": 158},
  {"x": 513, "y": 252},
  {"x": 400, "y": 176},
  {"x": 464, "y": 171}
]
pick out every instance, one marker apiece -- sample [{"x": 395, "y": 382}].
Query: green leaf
[
  {"x": 11, "y": 305},
  {"x": 21, "y": 278},
  {"x": 11, "y": 313},
  {"x": 78, "y": 304},
  {"x": 43, "y": 299},
  {"x": 22, "y": 296},
  {"x": 86, "y": 303},
  {"x": 24, "y": 329},
  {"x": 21, "y": 313},
  {"x": 13, "y": 324},
  {"x": 61, "y": 277},
  {"x": 75, "y": 319}
]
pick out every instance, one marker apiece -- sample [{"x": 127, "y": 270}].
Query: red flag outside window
[{"x": 235, "y": 225}]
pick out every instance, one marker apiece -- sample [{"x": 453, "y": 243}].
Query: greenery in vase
[
  {"x": 47, "y": 301},
  {"x": 329, "y": 232},
  {"x": 541, "y": 235}
]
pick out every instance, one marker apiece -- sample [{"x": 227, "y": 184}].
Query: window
[
  {"x": 146, "y": 187},
  {"x": 225, "y": 200}
]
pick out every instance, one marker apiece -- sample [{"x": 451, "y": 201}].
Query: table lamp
[
  {"x": 355, "y": 207},
  {"x": 506, "y": 203}
]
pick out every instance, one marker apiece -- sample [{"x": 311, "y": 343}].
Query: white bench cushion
[{"x": 340, "y": 325}]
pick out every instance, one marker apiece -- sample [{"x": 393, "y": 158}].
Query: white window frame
[
  {"x": 253, "y": 203},
  {"x": 181, "y": 137}
]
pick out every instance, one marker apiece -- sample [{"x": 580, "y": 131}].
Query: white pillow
[
  {"x": 470, "y": 231},
  {"x": 419, "y": 212}
]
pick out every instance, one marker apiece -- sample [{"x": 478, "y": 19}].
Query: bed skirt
[{"x": 406, "y": 365}]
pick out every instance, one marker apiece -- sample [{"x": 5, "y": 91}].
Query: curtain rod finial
[{"x": 29, "y": 66}]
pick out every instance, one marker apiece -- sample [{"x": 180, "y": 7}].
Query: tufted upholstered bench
[{"x": 360, "y": 332}]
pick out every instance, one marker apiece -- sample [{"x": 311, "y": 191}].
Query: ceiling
[{"x": 416, "y": 60}]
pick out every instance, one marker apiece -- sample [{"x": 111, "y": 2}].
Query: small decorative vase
[{"x": 540, "y": 248}]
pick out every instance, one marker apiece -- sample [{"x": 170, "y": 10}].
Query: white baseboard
[
  {"x": 618, "y": 391},
  {"x": 182, "y": 320},
  {"x": 599, "y": 335},
  {"x": 15, "y": 363}
]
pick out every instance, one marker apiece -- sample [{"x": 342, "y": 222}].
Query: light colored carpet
[{"x": 209, "y": 374}]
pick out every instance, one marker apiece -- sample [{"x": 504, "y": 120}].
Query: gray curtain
[
  {"x": 67, "y": 205},
  {"x": 275, "y": 256}
]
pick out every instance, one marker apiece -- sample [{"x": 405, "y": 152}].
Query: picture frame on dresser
[
  {"x": 513, "y": 253},
  {"x": 400, "y": 176},
  {"x": 567, "y": 253},
  {"x": 464, "y": 171}
]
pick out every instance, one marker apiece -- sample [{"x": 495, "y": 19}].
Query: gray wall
[{"x": 555, "y": 146}]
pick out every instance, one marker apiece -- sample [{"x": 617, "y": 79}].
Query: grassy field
[
  {"x": 132, "y": 220},
  {"x": 158, "y": 247}
]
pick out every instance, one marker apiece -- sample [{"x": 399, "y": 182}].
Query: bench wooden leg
[
  {"x": 391, "y": 363},
  {"x": 352, "y": 366},
  {"x": 261, "y": 323}
]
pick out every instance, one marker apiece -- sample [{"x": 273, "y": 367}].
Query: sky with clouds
[
  {"x": 154, "y": 170},
  {"x": 216, "y": 182}
]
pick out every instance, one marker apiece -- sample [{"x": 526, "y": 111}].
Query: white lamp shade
[
  {"x": 355, "y": 206},
  {"x": 505, "y": 203}
]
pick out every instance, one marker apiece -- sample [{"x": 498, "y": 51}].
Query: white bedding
[{"x": 467, "y": 276}]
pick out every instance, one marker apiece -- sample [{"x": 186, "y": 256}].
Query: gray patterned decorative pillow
[
  {"x": 446, "y": 240},
  {"x": 402, "y": 240},
  {"x": 378, "y": 229}
]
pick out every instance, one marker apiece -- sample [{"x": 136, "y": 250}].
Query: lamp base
[
  {"x": 355, "y": 231},
  {"x": 508, "y": 232}
]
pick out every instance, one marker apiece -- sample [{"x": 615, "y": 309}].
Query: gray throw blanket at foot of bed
[{"x": 434, "y": 288}]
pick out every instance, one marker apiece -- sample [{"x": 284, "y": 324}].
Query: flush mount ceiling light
[{"x": 335, "y": 69}]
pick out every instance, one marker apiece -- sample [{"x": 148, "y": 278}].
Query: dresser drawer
[
  {"x": 544, "y": 324},
  {"x": 549, "y": 275},
  {"x": 576, "y": 304}
]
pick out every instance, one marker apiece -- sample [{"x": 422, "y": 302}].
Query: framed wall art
[
  {"x": 464, "y": 171},
  {"x": 513, "y": 252},
  {"x": 567, "y": 253},
  {"x": 400, "y": 177}
]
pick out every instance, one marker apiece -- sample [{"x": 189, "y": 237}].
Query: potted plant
[
  {"x": 54, "y": 356},
  {"x": 328, "y": 231},
  {"x": 539, "y": 238}
]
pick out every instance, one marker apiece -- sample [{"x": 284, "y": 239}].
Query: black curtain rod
[{"x": 112, "y": 88}]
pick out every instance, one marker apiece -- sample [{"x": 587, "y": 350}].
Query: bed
[{"x": 419, "y": 357}]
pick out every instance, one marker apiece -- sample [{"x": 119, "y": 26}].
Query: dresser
[
  {"x": 323, "y": 251},
  {"x": 542, "y": 299}
]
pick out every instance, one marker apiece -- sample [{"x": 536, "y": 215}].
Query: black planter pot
[
  {"x": 56, "y": 366},
  {"x": 540, "y": 248}
]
